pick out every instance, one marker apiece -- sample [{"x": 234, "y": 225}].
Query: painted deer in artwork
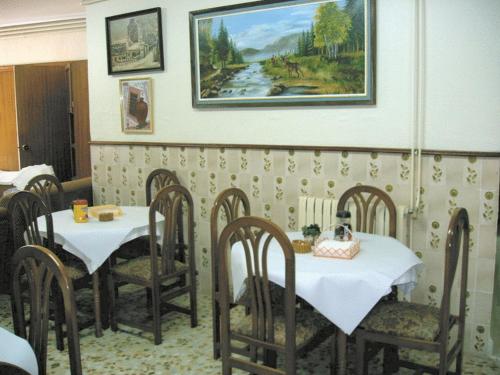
[{"x": 293, "y": 67}]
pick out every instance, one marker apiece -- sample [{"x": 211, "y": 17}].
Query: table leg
[
  {"x": 341, "y": 353},
  {"x": 103, "y": 274},
  {"x": 97, "y": 303}
]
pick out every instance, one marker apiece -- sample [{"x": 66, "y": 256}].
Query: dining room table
[
  {"x": 94, "y": 241},
  {"x": 17, "y": 352},
  {"x": 342, "y": 290}
]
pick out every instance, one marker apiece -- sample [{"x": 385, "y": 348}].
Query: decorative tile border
[{"x": 274, "y": 179}]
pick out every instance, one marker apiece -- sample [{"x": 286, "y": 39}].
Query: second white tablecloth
[{"x": 344, "y": 291}]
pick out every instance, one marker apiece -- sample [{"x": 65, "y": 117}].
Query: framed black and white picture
[{"x": 134, "y": 42}]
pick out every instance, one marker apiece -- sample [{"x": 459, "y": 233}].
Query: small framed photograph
[
  {"x": 136, "y": 105},
  {"x": 134, "y": 41}
]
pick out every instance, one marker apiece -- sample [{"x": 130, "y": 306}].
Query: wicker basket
[
  {"x": 301, "y": 246},
  {"x": 325, "y": 247}
]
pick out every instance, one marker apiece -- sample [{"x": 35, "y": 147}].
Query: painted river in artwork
[
  {"x": 249, "y": 82},
  {"x": 253, "y": 82}
]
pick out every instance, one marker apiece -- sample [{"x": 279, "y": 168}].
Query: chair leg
[
  {"x": 333, "y": 355},
  {"x": 270, "y": 358},
  {"x": 391, "y": 360},
  {"x": 443, "y": 365},
  {"x": 226, "y": 369},
  {"x": 361, "y": 366},
  {"x": 192, "y": 301},
  {"x": 112, "y": 303},
  {"x": 156, "y": 314},
  {"x": 216, "y": 327},
  {"x": 341, "y": 353},
  {"x": 58, "y": 319},
  {"x": 458, "y": 362}
]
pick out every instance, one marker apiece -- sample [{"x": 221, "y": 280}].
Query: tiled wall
[{"x": 274, "y": 179}]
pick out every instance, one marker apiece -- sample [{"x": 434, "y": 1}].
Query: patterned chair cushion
[
  {"x": 141, "y": 267},
  {"x": 277, "y": 296},
  {"x": 307, "y": 325},
  {"x": 74, "y": 273},
  {"x": 404, "y": 319}
]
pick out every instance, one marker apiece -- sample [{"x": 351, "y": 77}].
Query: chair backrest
[
  {"x": 457, "y": 239},
  {"x": 24, "y": 210},
  {"x": 369, "y": 207},
  {"x": 256, "y": 235},
  {"x": 49, "y": 189},
  {"x": 10, "y": 369},
  {"x": 37, "y": 270},
  {"x": 229, "y": 205},
  {"x": 157, "y": 180},
  {"x": 169, "y": 202}
]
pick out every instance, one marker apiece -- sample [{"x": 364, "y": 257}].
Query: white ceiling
[{"x": 15, "y": 12}]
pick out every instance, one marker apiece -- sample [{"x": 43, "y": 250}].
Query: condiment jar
[
  {"x": 343, "y": 228},
  {"x": 80, "y": 207}
]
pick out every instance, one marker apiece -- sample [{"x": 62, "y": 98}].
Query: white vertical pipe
[
  {"x": 421, "y": 97},
  {"x": 418, "y": 113}
]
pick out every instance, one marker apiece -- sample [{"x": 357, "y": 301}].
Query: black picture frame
[
  {"x": 134, "y": 42},
  {"x": 285, "y": 71}
]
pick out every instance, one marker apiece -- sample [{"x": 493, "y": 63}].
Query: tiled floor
[{"x": 184, "y": 350}]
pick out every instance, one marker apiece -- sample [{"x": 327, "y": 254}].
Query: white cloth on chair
[
  {"x": 18, "y": 352},
  {"x": 27, "y": 173}
]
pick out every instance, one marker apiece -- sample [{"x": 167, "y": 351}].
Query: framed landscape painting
[
  {"x": 134, "y": 42},
  {"x": 284, "y": 52},
  {"x": 136, "y": 98}
]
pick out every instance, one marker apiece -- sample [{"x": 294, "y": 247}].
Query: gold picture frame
[{"x": 136, "y": 105}]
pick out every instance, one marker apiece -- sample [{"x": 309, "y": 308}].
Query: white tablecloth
[
  {"x": 17, "y": 351},
  {"x": 93, "y": 242},
  {"x": 344, "y": 291}
]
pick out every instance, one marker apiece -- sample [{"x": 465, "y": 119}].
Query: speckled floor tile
[{"x": 184, "y": 350}]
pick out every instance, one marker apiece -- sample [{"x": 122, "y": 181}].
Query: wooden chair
[
  {"x": 267, "y": 330},
  {"x": 424, "y": 327},
  {"x": 49, "y": 189},
  {"x": 9, "y": 369},
  {"x": 368, "y": 202},
  {"x": 228, "y": 206},
  {"x": 36, "y": 270},
  {"x": 25, "y": 208},
  {"x": 156, "y": 180},
  {"x": 155, "y": 271}
]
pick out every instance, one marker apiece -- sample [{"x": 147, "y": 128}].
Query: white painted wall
[
  {"x": 462, "y": 80},
  {"x": 16, "y": 12},
  {"x": 463, "y": 75},
  {"x": 44, "y": 47},
  {"x": 19, "y": 47}
]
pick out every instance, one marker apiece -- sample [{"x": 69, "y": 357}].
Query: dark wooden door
[
  {"x": 80, "y": 126},
  {"x": 42, "y": 94}
]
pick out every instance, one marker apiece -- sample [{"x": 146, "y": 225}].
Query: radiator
[{"x": 321, "y": 211}]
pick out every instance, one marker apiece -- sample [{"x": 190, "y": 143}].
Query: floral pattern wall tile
[{"x": 275, "y": 179}]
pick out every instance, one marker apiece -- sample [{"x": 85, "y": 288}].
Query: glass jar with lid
[{"x": 343, "y": 226}]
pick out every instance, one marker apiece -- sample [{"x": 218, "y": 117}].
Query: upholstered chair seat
[
  {"x": 141, "y": 267},
  {"x": 307, "y": 325},
  {"x": 404, "y": 319},
  {"x": 75, "y": 273}
]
